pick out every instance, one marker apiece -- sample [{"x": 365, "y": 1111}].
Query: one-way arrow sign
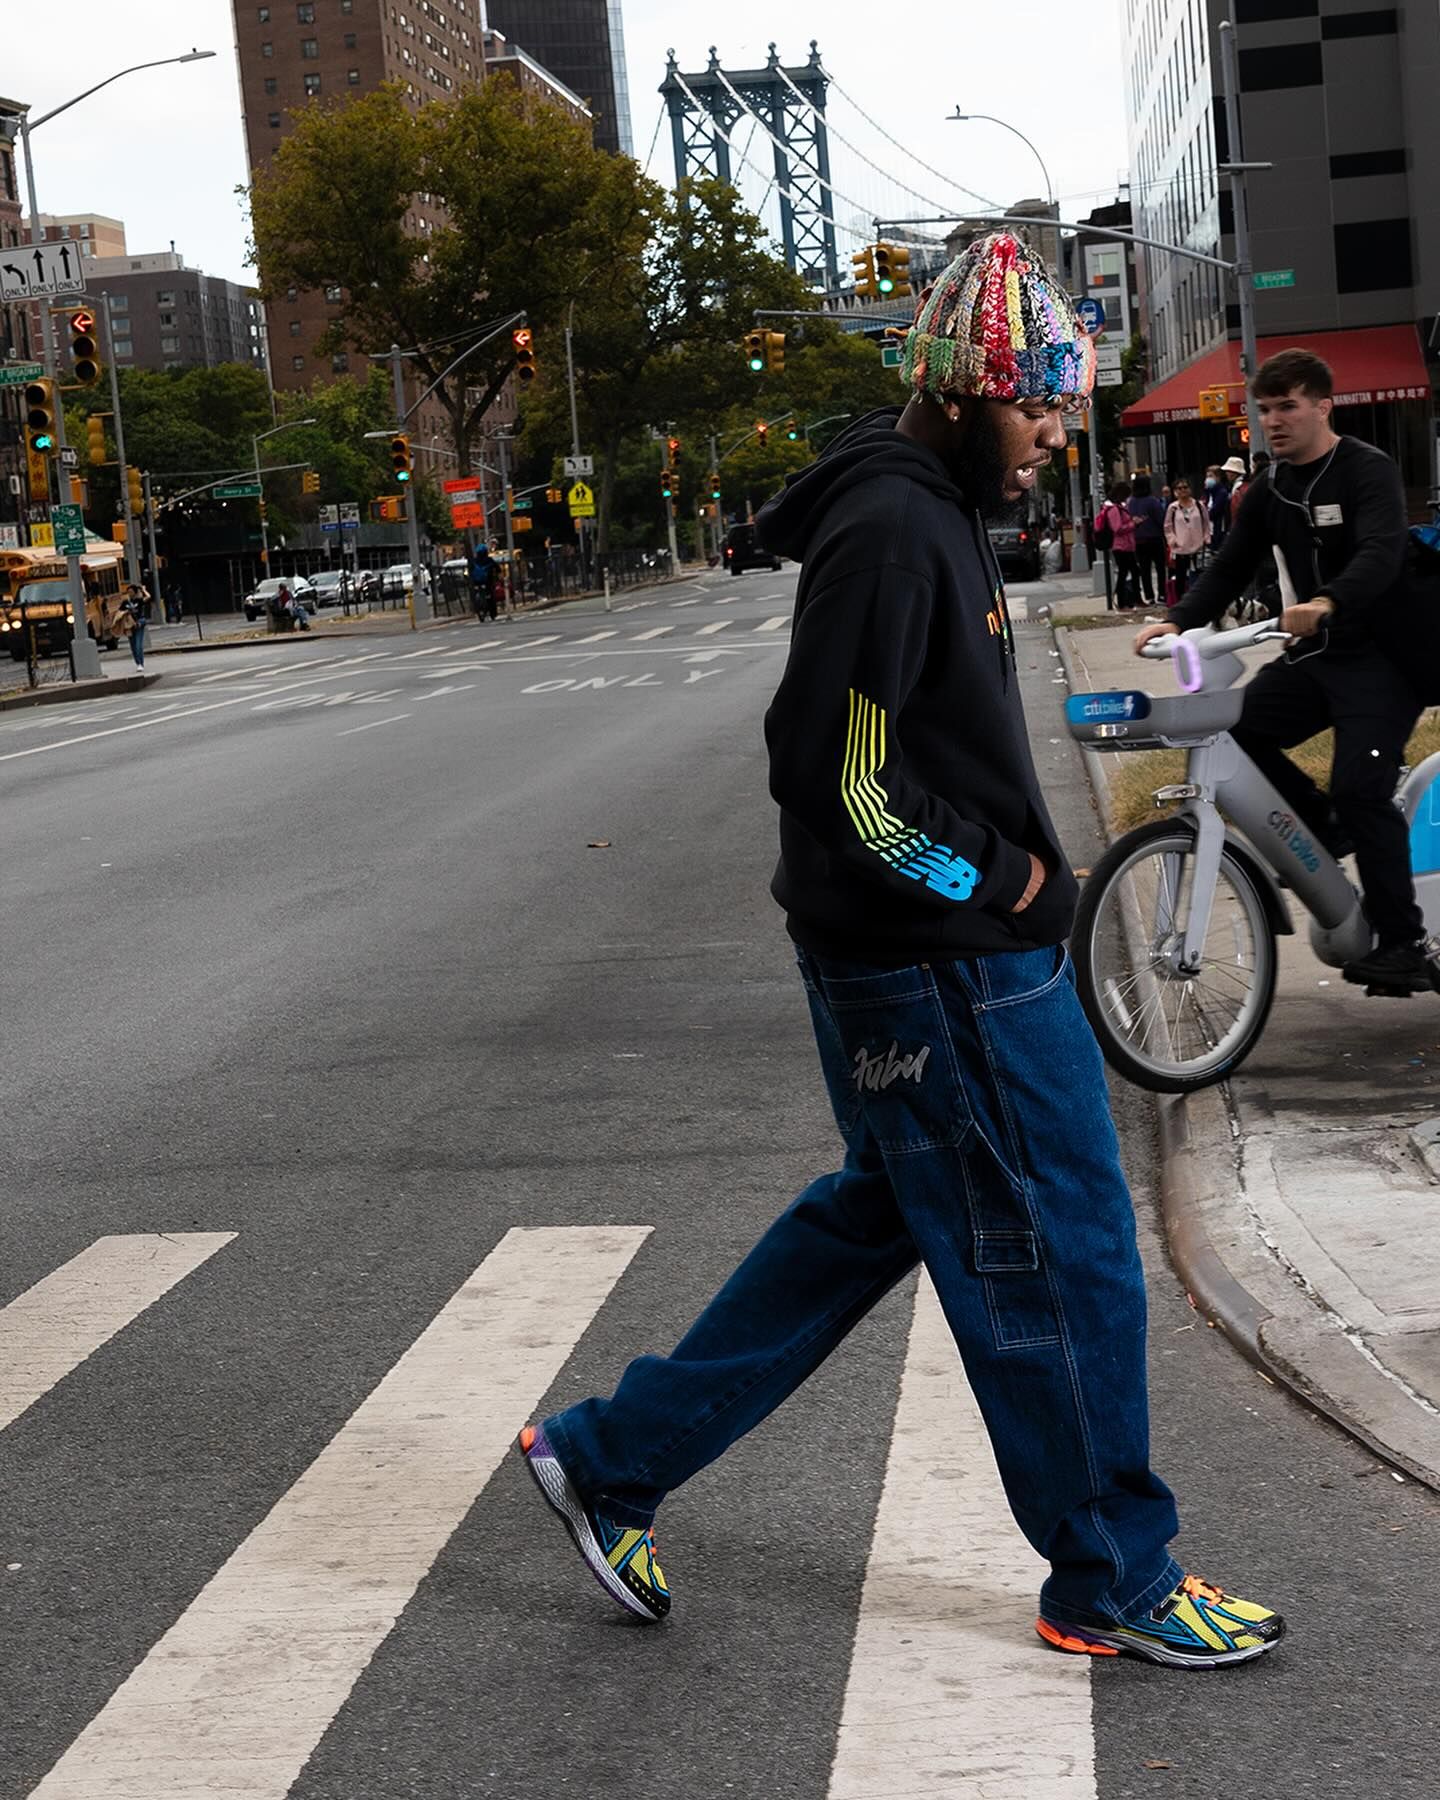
[{"x": 41, "y": 269}]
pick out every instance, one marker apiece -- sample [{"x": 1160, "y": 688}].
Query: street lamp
[
  {"x": 86, "y": 652},
  {"x": 289, "y": 425},
  {"x": 965, "y": 118}
]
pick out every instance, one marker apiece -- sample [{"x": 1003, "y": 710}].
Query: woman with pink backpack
[{"x": 1115, "y": 532}]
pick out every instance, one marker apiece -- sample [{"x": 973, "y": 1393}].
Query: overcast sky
[{"x": 164, "y": 151}]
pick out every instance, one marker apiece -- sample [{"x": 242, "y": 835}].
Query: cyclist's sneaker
[
  {"x": 621, "y": 1558},
  {"x": 1196, "y": 1626},
  {"x": 1395, "y": 969}
]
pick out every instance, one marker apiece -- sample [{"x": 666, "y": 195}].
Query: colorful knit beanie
[{"x": 998, "y": 324}]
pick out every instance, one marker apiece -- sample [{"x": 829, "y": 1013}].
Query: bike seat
[{"x": 1129, "y": 719}]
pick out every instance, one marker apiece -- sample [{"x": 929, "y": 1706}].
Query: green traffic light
[
  {"x": 885, "y": 285},
  {"x": 44, "y": 441},
  {"x": 757, "y": 364},
  {"x": 402, "y": 474}
]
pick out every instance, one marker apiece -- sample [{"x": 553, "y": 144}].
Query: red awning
[{"x": 1378, "y": 363}]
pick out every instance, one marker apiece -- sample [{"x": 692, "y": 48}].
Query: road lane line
[
  {"x": 434, "y": 650},
  {"x": 51, "y": 1328},
  {"x": 535, "y": 643},
  {"x": 249, "y": 672},
  {"x": 675, "y": 605},
  {"x": 950, "y": 1692},
  {"x": 767, "y": 596},
  {"x": 235, "y": 1696},
  {"x": 774, "y": 624},
  {"x": 595, "y": 637},
  {"x": 374, "y": 725},
  {"x": 710, "y": 630},
  {"x": 654, "y": 632}
]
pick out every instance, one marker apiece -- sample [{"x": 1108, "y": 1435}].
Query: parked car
[
  {"x": 331, "y": 586},
  {"x": 257, "y": 602},
  {"x": 395, "y": 580},
  {"x": 1017, "y": 550},
  {"x": 742, "y": 551}
]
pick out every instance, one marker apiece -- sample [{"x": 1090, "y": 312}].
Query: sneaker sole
[
  {"x": 1085, "y": 1641},
  {"x": 561, "y": 1497}
]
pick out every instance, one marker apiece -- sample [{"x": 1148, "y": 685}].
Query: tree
[{"x": 532, "y": 214}]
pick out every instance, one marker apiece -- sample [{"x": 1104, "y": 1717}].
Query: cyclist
[{"x": 1331, "y": 510}]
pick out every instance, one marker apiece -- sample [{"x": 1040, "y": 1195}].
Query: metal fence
[{"x": 555, "y": 575}]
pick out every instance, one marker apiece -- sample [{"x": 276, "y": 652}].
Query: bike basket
[{"x": 1126, "y": 719}]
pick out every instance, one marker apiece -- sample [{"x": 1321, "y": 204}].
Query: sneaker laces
[{"x": 1199, "y": 1589}]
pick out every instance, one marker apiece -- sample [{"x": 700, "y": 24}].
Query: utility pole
[
  {"x": 503, "y": 444},
  {"x": 156, "y": 594},
  {"x": 670, "y": 503},
  {"x": 1237, "y": 169},
  {"x": 132, "y": 548},
  {"x": 582, "y": 524},
  {"x": 419, "y": 601},
  {"x": 715, "y": 502}
]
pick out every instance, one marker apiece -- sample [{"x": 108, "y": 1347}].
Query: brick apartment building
[{"x": 167, "y": 315}]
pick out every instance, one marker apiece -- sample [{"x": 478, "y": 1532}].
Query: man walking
[
  {"x": 929, "y": 898},
  {"x": 1331, "y": 509}
]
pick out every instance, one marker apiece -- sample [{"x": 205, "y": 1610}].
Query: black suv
[
  {"x": 1017, "y": 550},
  {"x": 742, "y": 551}
]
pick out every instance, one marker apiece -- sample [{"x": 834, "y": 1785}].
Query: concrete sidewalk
[{"x": 1302, "y": 1197}]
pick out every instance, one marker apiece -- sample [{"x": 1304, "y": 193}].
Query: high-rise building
[
  {"x": 1338, "y": 97},
  {"x": 582, "y": 43},
  {"x": 169, "y": 316},
  {"x": 93, "y": 232}
]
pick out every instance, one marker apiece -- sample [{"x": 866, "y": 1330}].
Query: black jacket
[
  {"x": 899, "y": 756},
  {"x": 1342, "y": 530}
]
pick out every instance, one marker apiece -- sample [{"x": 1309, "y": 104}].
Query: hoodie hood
[{"x": 868, "y": 448}]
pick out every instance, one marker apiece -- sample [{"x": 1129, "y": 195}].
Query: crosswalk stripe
[
  {"x": 433, "y": 650},
  {"x": 534, "y": 643},
  {"x": 710, "y": 630},
  {"x": 675, "y": 605},
  {"x": 656, "y": 631},
  {"x": 950, "y": 1691},
  {"x": 49, "y": 1330},
  {"x": 595, "y": 637},
  {"x": 236, "y": 1695},
  {"x": 774, "y": 624}
]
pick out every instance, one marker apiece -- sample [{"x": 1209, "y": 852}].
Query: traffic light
[
  {"x": 667, "y": 484},
  {"x": 863, "y": 263},
  {"x": 1238, "y": 437},
  {"x": 892, "y": 270},
  {"x": 135, "y": 491},
  {"x": 673, "y": 446},
  {"x": 792, "y": 430},
  {"x": 84, "y": 351},
  {"x": 555, "y": 496},
  {"x": 524, "y": 341},
  {"x": 755, "y": 351},
  {"x": 400, "y": 461},
  {"x": 310, "y": 482},
  {"x": 762, "y": 431},
  {"x": 95, "y": 433},
  {"x": 714, "y": 484},
  {"x": 775, "y": 352},
  {"x": 40, "y": 417}
]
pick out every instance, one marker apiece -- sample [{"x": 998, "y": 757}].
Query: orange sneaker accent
[
  {"x": 1061, "y": 1642},
  {"x": 1199, "y": 1589},
  {"x": 527, "y": 1438}
]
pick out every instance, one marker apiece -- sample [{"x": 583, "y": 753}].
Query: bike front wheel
[{"x": 1164, "y": 1027}]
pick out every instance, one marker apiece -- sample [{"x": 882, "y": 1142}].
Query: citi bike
[{"x": 1175, "y": 936}]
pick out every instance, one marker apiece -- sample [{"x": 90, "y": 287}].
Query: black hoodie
[{"x": 898, "y": 750}]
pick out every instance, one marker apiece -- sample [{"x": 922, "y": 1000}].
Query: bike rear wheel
[{"x": 1162, "y": 1028}]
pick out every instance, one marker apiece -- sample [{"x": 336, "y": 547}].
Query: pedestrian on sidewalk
[
  {"x": 1115, "y": 522},
  {"x": 1148, "y": 512},
  {"x": 929, "y": 899},
  {"x": 136, "y": 608},
  {"x": 1332, "y": 511},
  {"x": 1187, "y": 532}
]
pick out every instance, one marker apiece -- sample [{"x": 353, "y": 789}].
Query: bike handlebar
[{"x": 1210, "y": 644}]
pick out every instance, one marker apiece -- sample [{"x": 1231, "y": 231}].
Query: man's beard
[{"x": 980, "y": 469}]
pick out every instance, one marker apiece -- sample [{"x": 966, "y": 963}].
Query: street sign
[
  {"x": 581, "y": 501},
  {"x": 1214, "y": 403},
  {"x": 467, "y": 515},
  {"x": 329, "y": 515},
  {"x": 892, "y": 356},
  {"x": 1109, "y": 378},
  {"x": 349, "y": 512},
  {"x": 350, "y": 524},
  {"x": 17, "y": 374},
  {"x": 1107, "y": 356},
  {"x": 68, "y": 525},
  {"x": 69, "y": 458},
  {"x": 458, "y": 483},
  {"x": 242, "y": 490},
  {"x": 1274, "y": 278},
  {"x": 1091, "y": 314},
  {"x": 579, "y": 465},
  {"x": 1072, "y": 456},
  {"x": 526, "y": 505},
  {"x": 29, "y": 271},
  {"x": 42, "y": 537}
]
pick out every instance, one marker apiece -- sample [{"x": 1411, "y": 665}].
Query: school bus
[{"x": 100, "y": 570}]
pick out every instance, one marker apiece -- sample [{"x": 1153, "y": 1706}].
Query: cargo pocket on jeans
[
  {"x": 899, "y": 1059},
  {"x": 1007, "y": 1258}
]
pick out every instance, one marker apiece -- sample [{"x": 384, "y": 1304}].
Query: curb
[
  {"x": 1355, "y": 1392},
  {"x": 63, "y": 694}
]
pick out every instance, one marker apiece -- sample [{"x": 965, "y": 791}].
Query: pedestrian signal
[
  {"x": 401, "y": 462},
  {"x": 755, "y": 351},
  {"x": 1238, "y": 437},
  {"x": 40, "y": 416},
  {"x": 523, "y": 340},
  {"x": 84, "y": 351}
]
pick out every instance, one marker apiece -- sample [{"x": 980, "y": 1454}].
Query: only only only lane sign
[{"x": 30, "y": 270}]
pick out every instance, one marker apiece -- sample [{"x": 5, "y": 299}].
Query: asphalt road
[{"x": 329, "y": 966}]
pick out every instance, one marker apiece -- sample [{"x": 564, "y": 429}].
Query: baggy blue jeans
[{"x": 978, "y": 1139}]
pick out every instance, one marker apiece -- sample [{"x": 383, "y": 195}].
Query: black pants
[
  {"x": 1181, "y": 565},
  {"x": 1127, "y": 584},
  {"x": 1150, "y": 562},
  {"x": 1373, "y": 710}
]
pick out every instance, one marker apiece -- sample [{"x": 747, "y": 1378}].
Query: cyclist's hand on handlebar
[
  {"x": 1306, "y": 619},
  {"x": 1160, "y": 628}
]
